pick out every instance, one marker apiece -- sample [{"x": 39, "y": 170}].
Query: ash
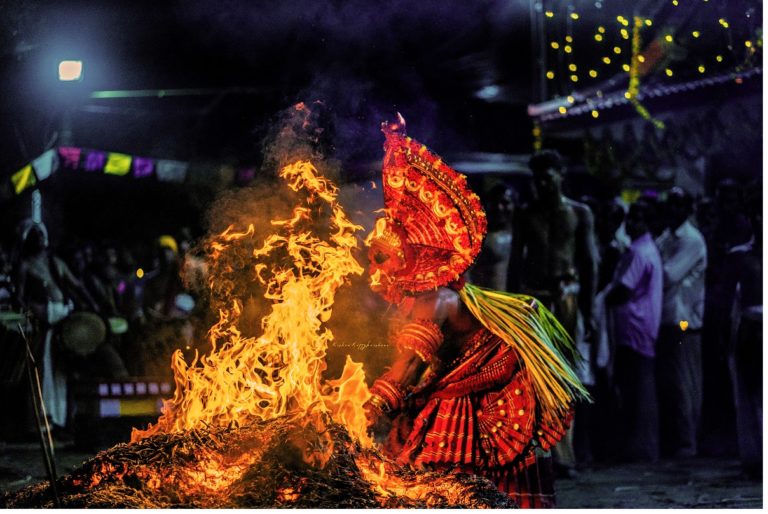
[{"x": 171, "y": 471}]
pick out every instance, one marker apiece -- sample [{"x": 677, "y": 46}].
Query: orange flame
[{"x": 279, "y": 372}]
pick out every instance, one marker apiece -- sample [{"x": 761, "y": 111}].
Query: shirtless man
[{"x": 554, "y": 256}]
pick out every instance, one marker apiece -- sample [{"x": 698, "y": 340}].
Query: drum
[{"x": 82, "y": 333}]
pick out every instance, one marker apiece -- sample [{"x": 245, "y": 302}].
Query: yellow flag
[
  {"x": 118, "y": 164},
  {"x": 23, "y": 179}
]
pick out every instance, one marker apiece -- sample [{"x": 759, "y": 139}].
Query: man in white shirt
[{"x": 678, "y": 359}]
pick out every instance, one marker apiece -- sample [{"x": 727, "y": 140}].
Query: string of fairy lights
[{"x": 583, "y": 53}]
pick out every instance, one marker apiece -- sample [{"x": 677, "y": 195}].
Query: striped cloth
[{"x": 482, "y": 417}]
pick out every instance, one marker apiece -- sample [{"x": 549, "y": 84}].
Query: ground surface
[{"x": 692, "y": 483}]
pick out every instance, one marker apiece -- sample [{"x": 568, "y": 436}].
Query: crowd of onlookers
[
  {"x": 671, "y": 338},
  {"x": 93, "y": 310}
]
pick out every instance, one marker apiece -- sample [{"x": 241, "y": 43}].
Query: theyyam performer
[{"x": 483, "y": 380}]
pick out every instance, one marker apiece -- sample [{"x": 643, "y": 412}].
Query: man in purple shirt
[{"x": 635, "y": 299}]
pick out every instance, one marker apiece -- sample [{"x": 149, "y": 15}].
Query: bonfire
[{"x": 253, "y": 423}]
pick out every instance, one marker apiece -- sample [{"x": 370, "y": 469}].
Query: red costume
[{"x": 483, "y": 382}]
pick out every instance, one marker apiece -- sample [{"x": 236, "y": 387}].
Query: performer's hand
[{"x": 372, "y": 414}]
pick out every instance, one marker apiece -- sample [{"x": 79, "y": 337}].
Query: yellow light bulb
[
  {"x": 601, "y": 29},
  {"x": 549, "y": 14},
  {"x": 574, "y": 16},
  {"x": 648, "y": 22},
  {"x": 595, "y": 114},
  {"x": 562, "y": 110},
  {"x": 668, "y": 38},
  {"x": 592, "y": 73},
  {"x": 570, "y": 99},
  {"x": 555, "y": 45},
  {"x": 668, "y": 72},
  {"x": 616, "y": 50},
  {"x": 627, "y": 95},
  {"x": 641, "y": 58},
  {"x": 675, "y": 3},
  {"x": 696, "y": 33},
  {"x": 572, "y": 67},
  {"x": 625, "y": 67},
  {"x": 624, "y": 34},
  {"x": 719, "y": 58},
  {"x": 567, "y": 49},
  {"x": 748, "y": 43},
  {"x": 569, "y": 39},
  {"x": 702, "y": 69},
  {"x": 574, "y": 78},
  {"x": 550, "y": 75},
  {"x": 607, "y": 60},
  {"x": 139, "y": 273},
  {"x": 598, "y": 37}
]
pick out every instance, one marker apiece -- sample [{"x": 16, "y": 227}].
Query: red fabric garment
[{"x": 480, "y": 416}]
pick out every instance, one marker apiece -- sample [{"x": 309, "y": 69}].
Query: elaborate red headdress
[{"x": 434, "y": 223}]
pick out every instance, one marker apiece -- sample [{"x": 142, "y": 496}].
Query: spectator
[
  {"x": 746, "y": 352},
  {"x": 727, "y": 232},
  {"x": 47, "y": 287},
  {"x": 613, "y": 242},
  {"x": 679, "y": 367},
  {"x": 635, "y": 297},
  {"x": 490, "y": 270},
  {"x": 554, "y": 259}
]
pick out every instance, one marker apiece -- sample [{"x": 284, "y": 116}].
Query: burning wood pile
[
  {"x": 190, "y": 469},
  {"x": 253, "y": 423}
]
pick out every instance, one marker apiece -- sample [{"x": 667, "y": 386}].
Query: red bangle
[
  {"x": 422, "y": 336},
  {"x": 389, "y": 393}
]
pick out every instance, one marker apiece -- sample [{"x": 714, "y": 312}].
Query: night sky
[{"x": 364, "y": 59}]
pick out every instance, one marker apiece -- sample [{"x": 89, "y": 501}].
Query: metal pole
[{"x": 538, "y": 51}]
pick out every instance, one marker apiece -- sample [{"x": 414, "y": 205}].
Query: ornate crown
[{"x": 441, "y": 220}]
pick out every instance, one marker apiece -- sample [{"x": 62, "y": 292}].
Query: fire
[{"x": 278, "y": 373}]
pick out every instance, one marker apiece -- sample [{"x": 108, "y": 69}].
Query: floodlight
[{"x": 70, "y": 71}]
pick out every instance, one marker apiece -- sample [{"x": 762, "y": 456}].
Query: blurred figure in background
[
  {"x": 613, "y": 242},
  {"x": 490, "y": 269},
  {"x": 50, "y": 291},
  {"x": 746, "y": 350},
  {"x": 554, "y": 259},
  {"x": 679, "y": 368},
  {"x": 163, "y": 283},
  {"x": 635, "y": 296},
  {"x": 727, "y": 232}
]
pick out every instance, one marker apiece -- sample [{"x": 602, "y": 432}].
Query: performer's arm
[
  {"x": 586, "y": 260},
  {"x": 416, "y": 342}
]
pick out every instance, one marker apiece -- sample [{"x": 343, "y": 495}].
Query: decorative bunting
[
  {"x": 46, "y": 164},
  {"x": 95, "y": 160},
  {"x": 118, "y": 164},
  {"x": 23, "y": 179},
  {"x": 143, "y": 167},
  {"x": 172, "y": 171},
  {"x": 69, "y": 157}
]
